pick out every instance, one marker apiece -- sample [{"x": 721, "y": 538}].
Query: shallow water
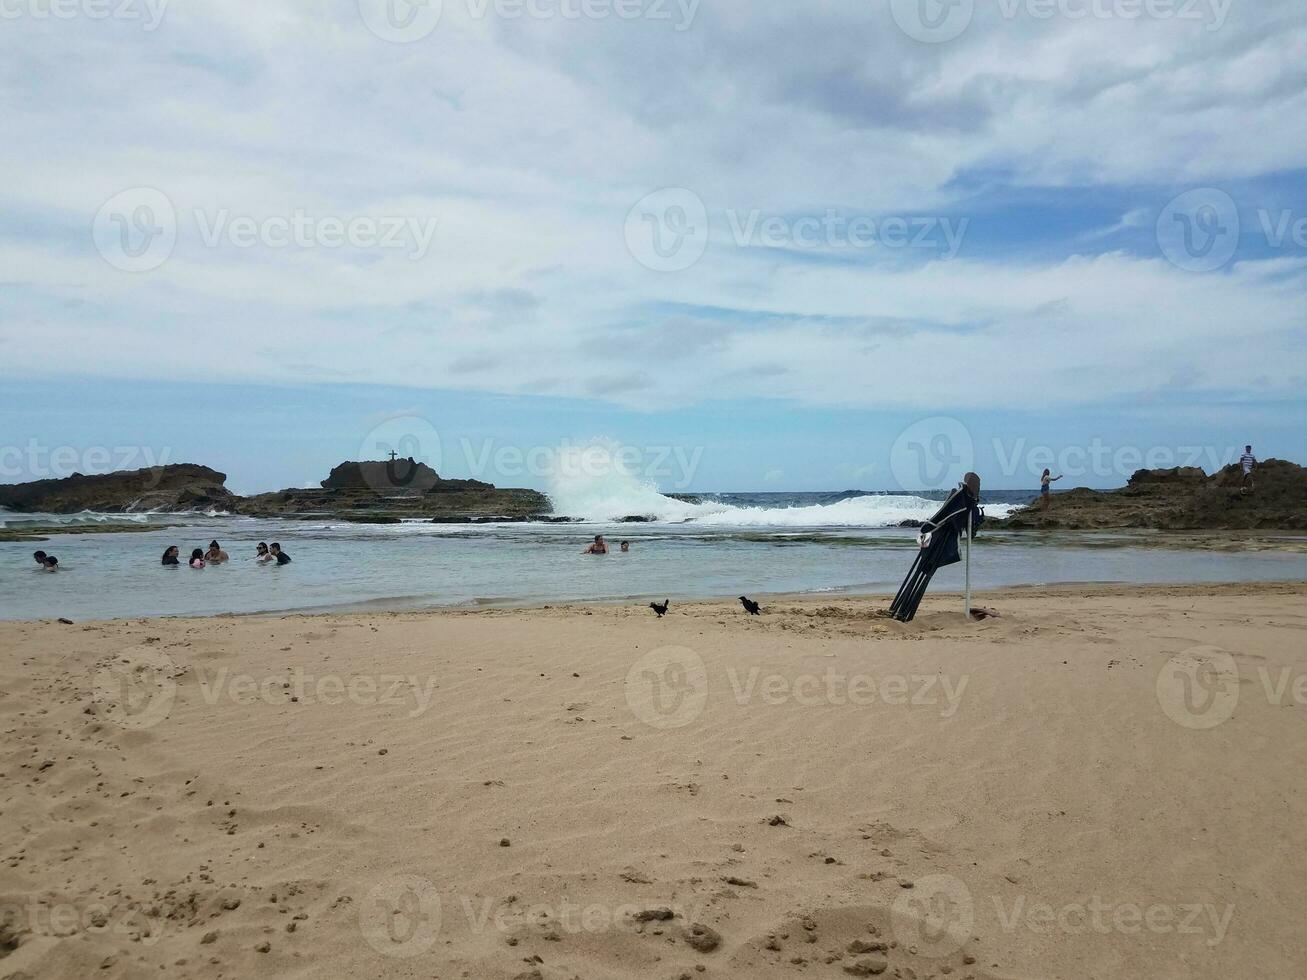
[{"x": 415, "y": 566}]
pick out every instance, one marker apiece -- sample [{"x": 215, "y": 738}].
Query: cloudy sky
[{"x": 806, "y": 245}]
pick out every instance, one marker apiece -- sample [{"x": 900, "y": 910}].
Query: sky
[{"x": 738, "y": 245}]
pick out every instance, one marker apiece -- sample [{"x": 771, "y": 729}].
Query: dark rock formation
[
  {"x": 367, "y": 492},
  {"x": 1181, "y": 499},
  {"x": 370, "y": 506},
  {"x": 176, "y": 487},
  {"x": 390, "y": 491},
  {"x": 396, "y": 476}
]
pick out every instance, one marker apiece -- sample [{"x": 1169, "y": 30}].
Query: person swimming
[
  {"x": 262, "y": 555},
  {"x": 598, "y": 548},
  {"x": 626, "y": 546},
  {"x": 171, "y": 556},
  {"x": 51, "y": 563},
  {"x": 39, "y": 558},
  {"x": 275, "y": 551},
  {"x": 197, "y": 558},
  {"x": 215, "y": 555}
]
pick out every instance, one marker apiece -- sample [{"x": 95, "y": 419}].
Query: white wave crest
[{"x": 590, "y": 483}]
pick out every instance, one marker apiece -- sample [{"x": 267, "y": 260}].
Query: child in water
[{"x": 197, "y": 558}]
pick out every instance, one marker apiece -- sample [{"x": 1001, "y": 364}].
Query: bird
[
  {"x": 751, "y": 607},
  {"x": 660, "y": 610}
]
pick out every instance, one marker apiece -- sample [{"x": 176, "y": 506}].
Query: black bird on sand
[
  {"x": 751, "y": 607},
  {"x": 660, "y": 610}
]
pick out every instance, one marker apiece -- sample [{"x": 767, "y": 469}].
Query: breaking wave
[{"x": 590, "y": 483}]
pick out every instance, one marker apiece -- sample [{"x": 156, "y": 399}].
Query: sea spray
[{"x": 591, "y": 482}]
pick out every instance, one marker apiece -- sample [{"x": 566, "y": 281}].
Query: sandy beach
[{"x": 1103, "y": 782}]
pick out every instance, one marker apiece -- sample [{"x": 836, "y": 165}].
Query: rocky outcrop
[
  {"x": 396, "y": 476},
  {"x": 1181, "y": 499},
  {"x": 177, "y": 487},
  {"x": 364, "y": 492},
  {"x": 396, "y": 490},
  {"x": 370, "y": 506}
]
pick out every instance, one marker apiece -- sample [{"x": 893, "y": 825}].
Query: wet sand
[{"x": 1102, "y": 782}]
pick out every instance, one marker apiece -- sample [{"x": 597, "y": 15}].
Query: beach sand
[{"x": 1101, "y": 783}]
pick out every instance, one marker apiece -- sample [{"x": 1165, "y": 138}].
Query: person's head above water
[
  {"x": 170, "y": 552},
  {"x": 262, "y": 549},
  {"x": 599, "y": 539},
  {"x": 626, "y": 545},
  {"x": 274, "y": 547},
  {"x": 51, "y": 563},
  {"x": 39, "y": 556},
  {"x": 197, "y": 553},
  {"x": 214, "y": 546}
]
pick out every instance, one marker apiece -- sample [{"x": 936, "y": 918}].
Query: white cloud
[{"x": 528, "y": 141}]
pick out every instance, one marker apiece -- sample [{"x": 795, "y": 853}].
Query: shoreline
[{"x": 1086, "y": 590}]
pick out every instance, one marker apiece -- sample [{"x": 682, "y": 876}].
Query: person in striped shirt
[{"x": 1247, "y": 461}]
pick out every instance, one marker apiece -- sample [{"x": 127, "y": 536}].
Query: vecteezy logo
[
  {"x": 400, "y": 917},
  {"x": 136, "y": 230},
  {"x": 933, "y": 21},
  {"x": 1199, "y": 687},
  {"x": 936, "y": 916},
  {"x": 136, "y": 689},
  {"x": 405, "y": 444},
  {"x": 401, "y": 21},
  {"x": 1199, "y": 230},
  {"x": 667, "y": 231},
  {"x": 932, "y": 454},
  {"x": 667, "y": 688}
]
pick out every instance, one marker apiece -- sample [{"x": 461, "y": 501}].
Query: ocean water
[{"x": 713, "y": 545}]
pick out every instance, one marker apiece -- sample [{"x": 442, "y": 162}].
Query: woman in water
[
  {"x": 170, "y": 556},
  {"x": 1045, "y": 493},
  {"x": 262, "y": 555},
  {"x": 216, "y": 555},
  {"x": 197, "y": 558}
]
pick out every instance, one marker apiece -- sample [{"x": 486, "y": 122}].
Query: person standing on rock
[
  {"x": 1045, "y": 491},
  {"x": 1248, "y": 461}
]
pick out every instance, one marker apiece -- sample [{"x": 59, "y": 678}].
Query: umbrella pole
[{"x": 968, "y": 563}]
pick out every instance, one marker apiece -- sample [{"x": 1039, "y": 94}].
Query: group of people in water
[
  {"x": 264, "y": 554},
  {"x": 600, "y": 546}
]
